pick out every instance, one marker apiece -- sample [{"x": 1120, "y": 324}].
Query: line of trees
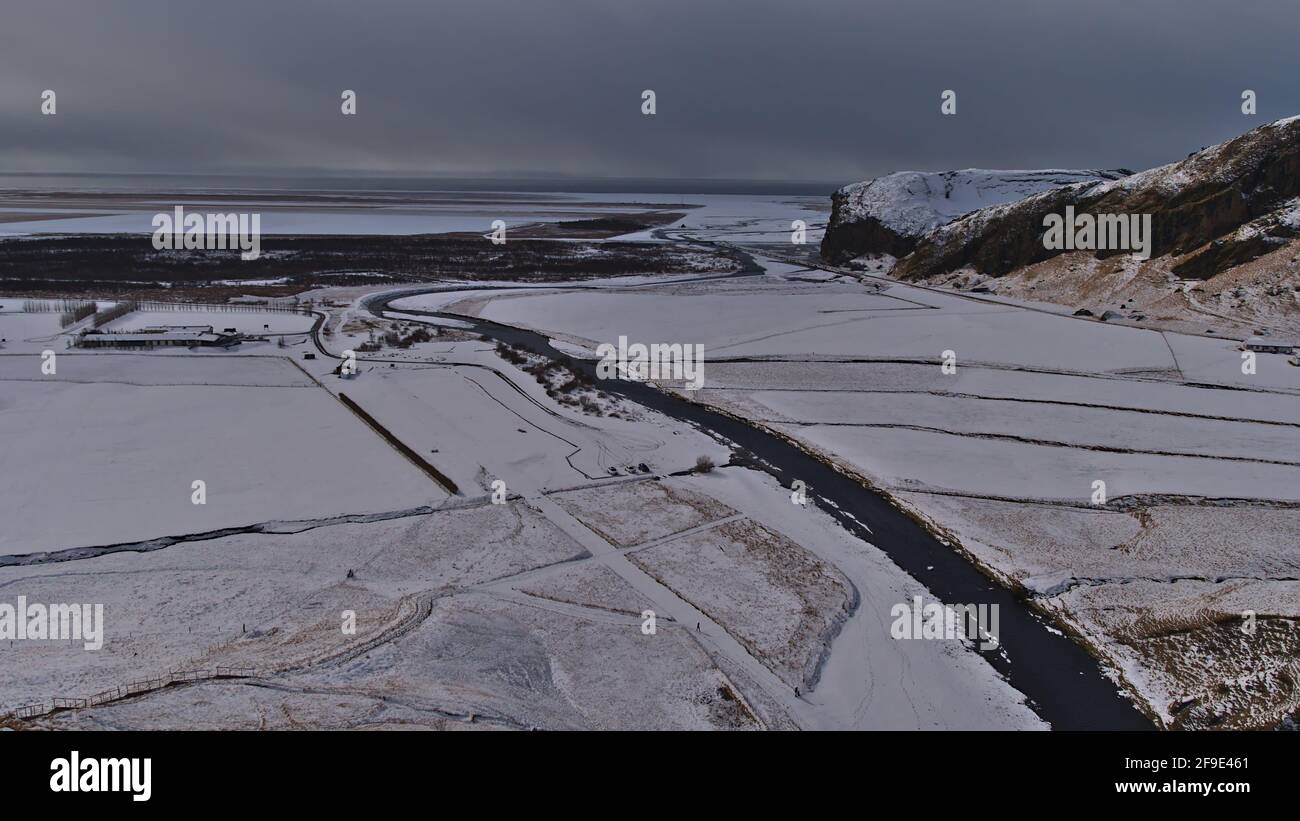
[
  {"x": 234, "y": 308},
  {"x": 118, "y": 311},
  {"x": 420, "y": 462},
  {"x": 51, "y": 306},
  {"x": 75, "y": 315}
]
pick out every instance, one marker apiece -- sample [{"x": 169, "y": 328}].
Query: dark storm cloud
[{"x": 816, "y": 90}]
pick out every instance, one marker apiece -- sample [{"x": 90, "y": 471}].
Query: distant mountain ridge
[
  {"x": 890, "y": 214},
  {"x": 1224, "y": 237},
  {"x": 1203, "y": 200}
]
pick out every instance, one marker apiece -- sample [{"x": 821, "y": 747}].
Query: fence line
[{"x": 131, "y": 688}]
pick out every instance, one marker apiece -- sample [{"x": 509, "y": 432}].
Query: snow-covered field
[
  {"x": 18, "y": 328},
  {"x": 722, "y": 316},
  {"x": 1039, "y": 409},
  {"x": 118, "y": 458},
  {"x": 468, "y": 613},
  {"x": 156, "y": 368},
  {"x": 939, "y": 461},
  {"x": 583, "y": 576},
  {"x": 21, "y": 331}
]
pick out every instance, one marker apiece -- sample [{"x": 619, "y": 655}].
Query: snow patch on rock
[{"x": 913, "y": 203}]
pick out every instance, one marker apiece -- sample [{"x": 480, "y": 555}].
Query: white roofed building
[
  {"x": 1265, "y": 344},
  {"x": 168, "y": 336}
]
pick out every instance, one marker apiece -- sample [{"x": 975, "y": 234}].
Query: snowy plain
[{"x": 530, "y": 612}]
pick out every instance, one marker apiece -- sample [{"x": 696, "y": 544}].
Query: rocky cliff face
[
  {"x": 1221, "y": 207},
  {"x": 890, "y": 214}
]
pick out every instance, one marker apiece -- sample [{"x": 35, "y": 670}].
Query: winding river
[{"x": 1063, "y": 682}]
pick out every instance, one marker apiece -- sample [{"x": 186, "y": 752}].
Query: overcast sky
[{"x": 818, "y": 90}]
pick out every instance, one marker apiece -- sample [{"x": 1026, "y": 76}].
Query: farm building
[
  {"x": 1263, "y": 344},
  {"x": 169, "y": 336}
]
